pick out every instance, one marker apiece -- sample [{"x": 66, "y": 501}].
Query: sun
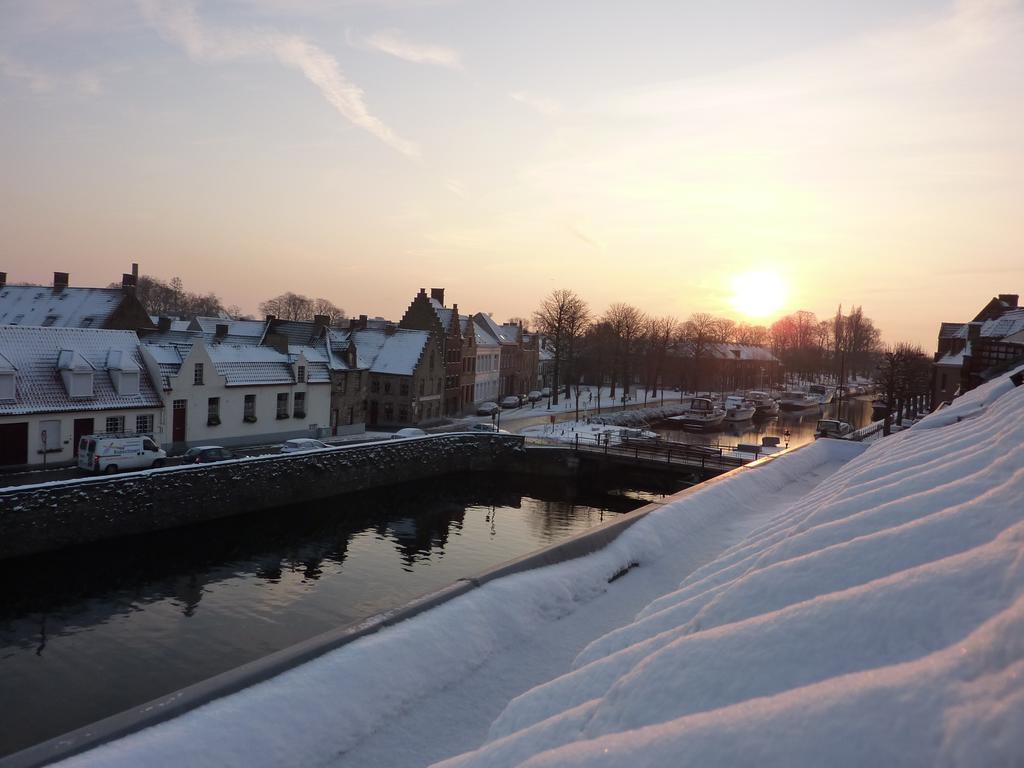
[{"x": 758, "y": 294}]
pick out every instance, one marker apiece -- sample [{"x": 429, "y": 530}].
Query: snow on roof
[
  {"x": 952, "y": 330},
  {"x": 70, "y": 307},
  {"x": 6, "y": 366},
  {"x": 119, "y": 360},
  {"x": 491, "y": 328},
  {"x": 395, "y": 353},
  {"x": 251, "y": 329},
  {"x": 742, "y": 352},
  {"x": 243, "y": 364},
  {"x": 39, "y": 354},
  {"x": 444, "y": 315},
  {"x": 1006, "y": 325}
]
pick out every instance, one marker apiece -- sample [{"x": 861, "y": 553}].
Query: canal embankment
[{"x": 48, "y": 516}]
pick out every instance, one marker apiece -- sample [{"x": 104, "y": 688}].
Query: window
[
  {"x": 6, "y": 385},
  {"x": 374, "y": 386},
  {"x": 343, "y": 383},
  {"x": 114, "y": 424},
  {"x": 403, "y": 388},
  {"x": 144, "y": 424},
  {"x": 149, "y": 445},
  {"x": 213, "y": 412},
  {"x": 197, "y": 374},
  {"x": 403, "y": 414},
  {"x": 249, "y": 409},
  {"x": 387, "y": 387},
  {"x": 282, "y": 405},
  {"x": 389, "y": 412},
  {"x": 300, "y": 405},
  {"x": 300, "y": 376},
  {"x": 421, "y": 387}
]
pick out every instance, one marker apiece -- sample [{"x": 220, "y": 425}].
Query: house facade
[
  {"x": 238, "y": 394},
  {"x": 428, "y": 313},
  {"x": 58, "y": 384}
]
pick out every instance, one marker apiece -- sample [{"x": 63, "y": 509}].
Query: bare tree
[
  {"x": 562, "y": 318},
  {"x": 696, "y": 338},
  {"x": 170, "y": 299},
  {"x": 659, "y": 334},
  {"x": 903, "y": 371},
  {"x": 295, "y": 306},
  {"x": 626, "y": 323}
]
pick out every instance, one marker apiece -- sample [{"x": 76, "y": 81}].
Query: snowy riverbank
[{"x": 876, "y": 617}]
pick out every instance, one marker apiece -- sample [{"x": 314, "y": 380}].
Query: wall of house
[
  {"x": 487, "y": 386},
  {"x": 348, "y": 402},
  {"x": 62, "y": 451},
  {"x": 233, "y": 428},
  {"x": 40, "y": 518}
]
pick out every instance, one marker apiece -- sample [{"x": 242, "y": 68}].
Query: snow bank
[
  {"x": 326, "y": 707},
  {"x": 879, "y": 620}
]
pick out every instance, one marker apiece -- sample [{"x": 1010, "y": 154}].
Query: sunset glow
[{"x": 758, "y": 295}]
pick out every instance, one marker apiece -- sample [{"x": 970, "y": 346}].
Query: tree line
[
  {"x": 625, "y": 343},
  {"x": 170, "y": 299}
]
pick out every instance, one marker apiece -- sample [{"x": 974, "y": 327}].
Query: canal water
[
  {"x": 800, "y": 426},
  {"x": 89, "y": 632}
]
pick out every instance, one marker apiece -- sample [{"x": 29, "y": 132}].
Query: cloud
[
  {"x": 36, "y": 80},
  {"x": 542, "y": 104},
  {"x": 179, "y": 23},
  {"x": 391, "y": 41}
]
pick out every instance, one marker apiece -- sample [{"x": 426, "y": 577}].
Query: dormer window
[
  {"x": 6, "y": 385},
  {"x": 124, "y": 372},
  {"x": 76, "y": 373},
  {"x": 300, "y": 374}
]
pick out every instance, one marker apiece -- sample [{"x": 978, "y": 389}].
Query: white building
[
  {"x": 487, "y": 383},
  {"x": 222, "y": 393},
  {"x": 58, "y": 384}
]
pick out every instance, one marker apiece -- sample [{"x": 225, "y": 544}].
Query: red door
[
  {"x": 82, "y": 427},
  {"x": 180, "y": 411}
]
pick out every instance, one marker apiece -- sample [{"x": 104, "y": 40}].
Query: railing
[{"x": 661, "y": 451}]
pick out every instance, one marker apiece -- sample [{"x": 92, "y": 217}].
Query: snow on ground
[
  {"x": 429, "y": 687},
  {"x": 878, "y": 620},
  {"x": 773, "y": 619}
]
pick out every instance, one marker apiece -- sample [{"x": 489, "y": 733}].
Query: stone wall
[{"x": 51, "y": 516}]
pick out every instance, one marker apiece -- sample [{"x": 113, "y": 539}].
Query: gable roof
[
  {"x": 379, "y": 351},
  {"x": 70, "y": 307},
  {"x": 35, "y": 354},
  {"x": 492, "y": 329}
]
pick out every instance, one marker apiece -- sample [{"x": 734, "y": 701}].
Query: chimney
[
  {"x": 270, "y": 318},
  {"x": 60, "y": 281},
  {"x": 973, "y": 332},
  {"x": 1009, "y": 299},
  {"x": 128, "y": 283},
  {"x": 163, "y": 324},
  {"x": 321, "y": 321},
  {"x": 221, "y": 331},
  {"x": 3, "y": 279},
  {"x": 437, "y": 294},
  {"x": 135, "y": 272}
]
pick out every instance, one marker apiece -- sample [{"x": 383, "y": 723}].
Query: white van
[{"x": 111, "y": 452}]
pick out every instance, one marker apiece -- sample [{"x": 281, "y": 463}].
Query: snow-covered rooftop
[
  {"x": 394, "y": 352},
  {"x": 38, "y": 355},
  {"x": 243, "y": 364},
  {"x": 839, "y": 605},
  {"x": 70, "y": 307}
]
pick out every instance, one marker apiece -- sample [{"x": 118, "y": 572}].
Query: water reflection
[{"x": 91, "y": 631}]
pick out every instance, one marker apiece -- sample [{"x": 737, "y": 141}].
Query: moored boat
[
  {"x": 823, "y": 393},
  {"x": 798, "y": 401},
  {"x": 702, "y": 413},
  {"x": 738, "y": 408},
  {"x": 764, "y": 404}
]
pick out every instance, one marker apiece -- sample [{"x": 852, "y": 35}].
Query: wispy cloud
[
  {"x": 393, "y": 42},
  {"x": 179, "y": 23},
  {"x": 36, "y": 80},
  {"x": 542, "y": 104}
]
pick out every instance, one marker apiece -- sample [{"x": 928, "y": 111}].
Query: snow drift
[{"x": 879, "y": 620}]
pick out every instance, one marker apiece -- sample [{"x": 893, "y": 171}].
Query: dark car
[{"x": 204, "y": 454}]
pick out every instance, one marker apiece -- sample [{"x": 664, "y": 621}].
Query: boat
[
  {"x": 764, "y": 404},
  {"x": 823, "y": 393},
  {"x": 738, "y": 408},
  {"x": 701, "y": 413},
  {"x": 832, "y": 428},
  {"x": 798, "y": 401}
]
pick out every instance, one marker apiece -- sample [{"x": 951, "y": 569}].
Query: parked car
[
  {"x": 512, "y": 401},
  {"x": 487, "y": 428},
  {"x": 302, "y": 444},
  {"x": 832, "y": 428},
  {"x": 487, "y": 409},
  {"x": 207, "y": 454},
  {"x": 545, "y": 392},
  {"x": 534, "y": 396},
  {"x": 408, "y": 432},
  {"x": 112, "y": 452}
]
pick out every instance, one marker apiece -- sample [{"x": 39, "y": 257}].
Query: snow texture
[{"x": 840, "y": 605}]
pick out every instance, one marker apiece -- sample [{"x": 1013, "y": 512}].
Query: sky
[{"x": 654, "y": 153}]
